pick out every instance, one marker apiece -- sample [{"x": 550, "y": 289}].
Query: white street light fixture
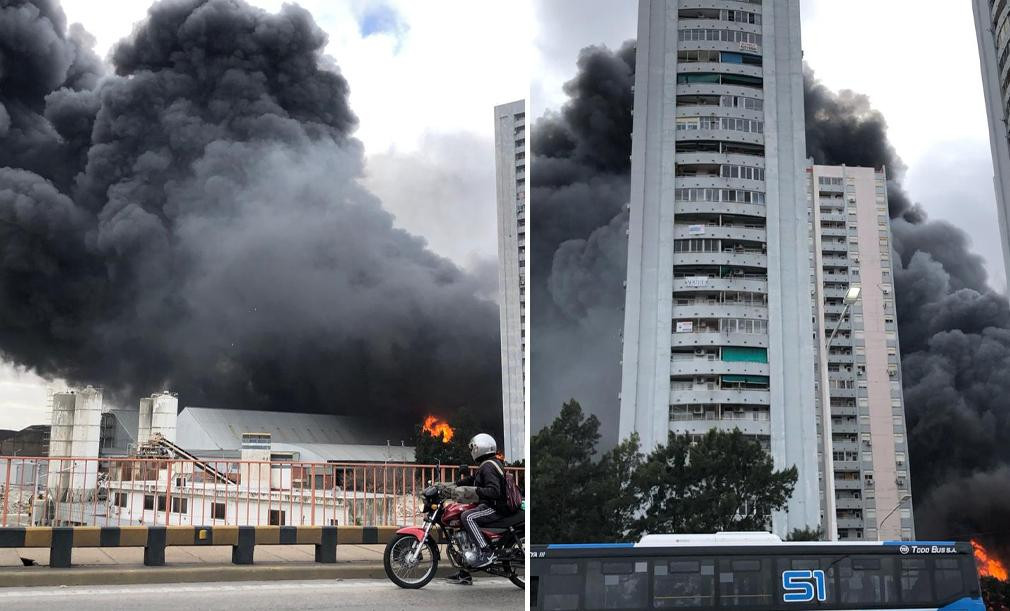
[{"x": 827, "y": 451}]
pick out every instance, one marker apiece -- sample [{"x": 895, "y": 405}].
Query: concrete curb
[{"x": 193, "y": 573}]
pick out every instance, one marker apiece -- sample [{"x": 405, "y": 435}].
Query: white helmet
[{"x": 482, "y": 444}]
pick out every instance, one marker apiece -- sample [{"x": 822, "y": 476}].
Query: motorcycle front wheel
[{"x": 401, "y": 570}]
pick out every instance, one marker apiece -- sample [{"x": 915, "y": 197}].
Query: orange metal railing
[{"x": 63, "y": 491}]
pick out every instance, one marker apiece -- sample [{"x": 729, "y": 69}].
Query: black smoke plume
[
  {"x": 954, "y": 330},
  {"x": 195, "y": 221},
  {"x": 578, "y": 190}
]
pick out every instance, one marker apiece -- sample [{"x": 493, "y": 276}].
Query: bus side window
[
  {"x": 563, "y": 589},
  {"x": 867, "y": 579},
  {"x": 915, "y": 580},
  {"x": 617, "y": 584},
  {"x": 534, "y": 590},
  {"x": 684, "y": 582},
  {"x": 745, "y": 582},
  {"x": 948, "y": 578}
]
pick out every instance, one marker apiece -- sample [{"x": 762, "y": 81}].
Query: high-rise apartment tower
[
  {"x": 851, "y": 254},
  {"x": 510, "y": 170},
  {"x": 992, "y": 28},
  {"x": 717, "y": 316}
]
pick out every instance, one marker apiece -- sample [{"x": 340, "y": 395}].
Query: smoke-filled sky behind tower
[
  {"x": 917, "y": 60},
  {"x": 421, "y": 111}
]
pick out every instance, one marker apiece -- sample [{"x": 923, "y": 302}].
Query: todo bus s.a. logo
[{"x": 803, "y": 586}]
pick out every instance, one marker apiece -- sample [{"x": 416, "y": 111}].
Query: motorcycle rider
[{"x": 488, "y": 486}]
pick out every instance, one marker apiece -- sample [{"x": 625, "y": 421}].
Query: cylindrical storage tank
[
  {"x": 164, "y": 414},
  {"x": 60, "y": 433},
  {"x": 85, "y": 440},
  {"x": 62, "y": 424},
  {"x": 144, "y": 421}
]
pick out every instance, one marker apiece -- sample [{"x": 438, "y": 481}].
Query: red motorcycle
[{"x": 412, "y": 556}]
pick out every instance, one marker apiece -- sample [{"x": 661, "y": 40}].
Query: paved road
[{"x": 486, "y": 593}]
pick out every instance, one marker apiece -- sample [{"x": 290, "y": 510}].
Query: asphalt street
[{"x": 487, "y": 593}]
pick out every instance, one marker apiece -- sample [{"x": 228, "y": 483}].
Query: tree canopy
[{"x": 722, "y": 481}]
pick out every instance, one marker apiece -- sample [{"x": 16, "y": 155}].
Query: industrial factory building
[{"x": 157, "y": 465}]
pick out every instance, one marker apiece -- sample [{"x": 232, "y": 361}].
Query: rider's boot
[{"x": 462, "y": 578}]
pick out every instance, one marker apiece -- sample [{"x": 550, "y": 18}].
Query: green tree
[
  {"x": 725, "y": 481},
  {"x": 562, "y": 476},
  {"x": 805, "y": 534},
  {"x": 611, "y": 495}
]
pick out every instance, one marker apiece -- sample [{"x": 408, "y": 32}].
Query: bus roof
[{"x": 734, "y": 539}]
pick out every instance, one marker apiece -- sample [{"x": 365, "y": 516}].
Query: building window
[
  {"x": 218, "y": 511},
  {"x": 149, "y": 501},
  {"x": 180, "y": 505},
  {"x": 277, "y": 517},
  {"x": 119, "y": 499}
]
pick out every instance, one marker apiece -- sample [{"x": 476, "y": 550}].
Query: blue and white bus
[{"x": 756, "y": 571}]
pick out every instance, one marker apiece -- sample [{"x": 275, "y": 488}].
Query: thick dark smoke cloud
[
  {"x": 196, "y": 221},
  {"x": 954, "y": 330},
  {"x": 579, "y": 187}
]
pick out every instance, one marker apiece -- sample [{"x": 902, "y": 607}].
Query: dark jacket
[{"x": 490, "y": 484}]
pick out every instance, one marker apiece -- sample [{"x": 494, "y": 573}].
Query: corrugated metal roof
[
  {"x": 201, "y": 428},
  {"x": 338, "y": 452}
]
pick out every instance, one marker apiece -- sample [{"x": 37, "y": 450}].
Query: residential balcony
[
  {"x": 848, "y": 484},
  {"x": 720, "y": 182},
  {"x": 758, "y": 234},
  {"x": 846, "y": 465},
  {"x": 723, "y": 396},
  {"x": 742, "y": 259},
  {"x": 850, "y": 522},
  {"x": 720, "y": 310},
  {"x": 757, "y": 210},
  {"x": 722, "y": 135},
  {"x": 716, "y": 338},
  {"x": 837, "y": 427},
  {"x": 720, "y": 67},
  {"x": 848, "y": 503},
  {"x": 700, "y": 427},
  {"x": 700, "y": 283},
  {"x": 718, "y": 158},
  {"x": 715, "y": 367}
]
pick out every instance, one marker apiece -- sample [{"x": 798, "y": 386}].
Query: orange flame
[
  {"x": 436, "y": 427},
  {"x": 988, "y": 566}
]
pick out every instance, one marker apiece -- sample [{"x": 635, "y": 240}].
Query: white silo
[
  {"x": 62, "y": 423},
  {"x": 144, "y": 421},
  {"x": 60, "y": 434},
  {"x": 85, "y": 438},
  {"x": 164, "y": 414}
]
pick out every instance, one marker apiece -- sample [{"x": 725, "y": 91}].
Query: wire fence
[{"x": 69, "y": 491}]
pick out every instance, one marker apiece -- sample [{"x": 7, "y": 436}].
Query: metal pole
[{"x": 827, "y": 443}]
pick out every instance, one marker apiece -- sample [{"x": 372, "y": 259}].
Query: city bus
[{"x": 754, "y": 571}]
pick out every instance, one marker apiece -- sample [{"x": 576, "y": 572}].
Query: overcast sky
[
  {"x": 424, "y": 78},
  {"x": 917, "y": 60}
]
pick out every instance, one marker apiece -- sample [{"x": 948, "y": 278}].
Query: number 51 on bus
[{"x": 800, "y": 586}]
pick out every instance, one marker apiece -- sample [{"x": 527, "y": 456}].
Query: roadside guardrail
[{"x": 61, "y": 540}]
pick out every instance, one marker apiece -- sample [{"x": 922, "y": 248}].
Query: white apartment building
[
  {"x": 992, "y": 28},
  {"x": 850, "y": 249},
  {"x": 717, "y": 310},
  {"x": 510, "y": 171}
]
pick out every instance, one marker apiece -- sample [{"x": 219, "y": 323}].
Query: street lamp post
[
  {"x": 827, "y": 446},
  {"x": 901, "y": 501}
]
